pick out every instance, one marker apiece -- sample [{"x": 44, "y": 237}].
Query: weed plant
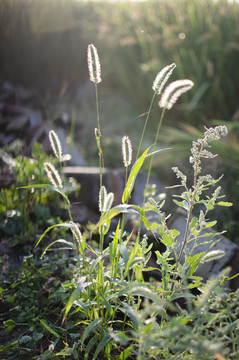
[{"x": 110, "y": 311}]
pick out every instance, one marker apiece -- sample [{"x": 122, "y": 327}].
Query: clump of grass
[{"x": 120, "y": 315}]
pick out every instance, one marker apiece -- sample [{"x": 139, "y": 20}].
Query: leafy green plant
[{"x": 114, "y": 312}]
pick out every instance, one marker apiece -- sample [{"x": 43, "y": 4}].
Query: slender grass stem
[{"x": 145, "y": 124}]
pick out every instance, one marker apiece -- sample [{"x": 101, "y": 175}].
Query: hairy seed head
[
  {"x": 173, "y": 91},
  {"x": 162, "y": 78},
  {"x": 105, "y": 200},
  {"x": 102, "y": 197},
  {"x": 53, "y": 175},
  {"x": 126, "y": 151},
  {"x": 94, "y": 64},
  {"x": 55, "y": 144}
]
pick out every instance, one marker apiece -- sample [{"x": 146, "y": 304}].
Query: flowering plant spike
[
  {"x": 173, "y": 91},
  {"x": 162, "y": 78},
  {"x": 126, "y": 151},
  {"x": 94, "y": 64},
  {"x": 55, "y": 144}
]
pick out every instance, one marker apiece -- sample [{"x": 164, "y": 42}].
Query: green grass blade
[
  {"x": 91, "y": 343},
  {"x": 46, "y": 187},
  {"x": 125, "y": 354},
  {"x": 113, "y": 246},
  {"x": 68, "y": 225},
  {"x": 132, "y": 177},
  {"x": 74, "y": 296},
  {"x": 123, "y": 208},
  {"x": 90, "y": 327},
  {"x": 61, "y": 241},
  {"x": 48, "y": 328},
  {"x": 101, "y": 345}
]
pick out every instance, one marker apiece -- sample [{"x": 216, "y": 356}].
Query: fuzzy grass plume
[
  {"x": 126, "y": 151},
  {"x": 53, "y": 175},
  {"x": 55, "y": 144},
  {"x": 162, "y": 78},
  {"x": 173, "y": 91},
  {"x": 94, "y": 64}
]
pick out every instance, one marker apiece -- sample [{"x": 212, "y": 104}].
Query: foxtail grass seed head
[
  {"x": 126, "y": 151},
  {"x": 55, "y": 144},
  {"x": 102, "y": 197},
  {"x": 162, "y": 78},
  {"x": 173, "y": 91},
  {"x": 94, "y": 64},
  {"x": 53, "y": 175},
  {"x": 105, "y": 200}
]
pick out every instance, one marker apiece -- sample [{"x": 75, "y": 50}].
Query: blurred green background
[{"x": 43, "y": 45}]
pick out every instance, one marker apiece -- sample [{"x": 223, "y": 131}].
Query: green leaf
[
  {"x": 210, "y": 204},
  {"x": 120, "y": 337},
  {"x": 60, "y": 241},
  {"x": 132, "y": 313},
  {"x": 146, "y": 293},
  {"x": 24, "y": 339},
  {"x": 46, "y": 187},
  {"x": 165, "y": 238},
  {"x": 125, "y": 354},
  {"x": 132, "y": 177},
  {"x": 8, "y": 346},
  {"x": 182, "y": 204},
  {"x": 10, "y": 324},
  {"x": 76, "y": 293},
  {"x": 224, "y": 203},
  {"x": 48, "y": 328},
  {"x": 123, "y": 208},
  {"x": 107, "y": 305},
  {"x": 68, "y": 225},
  {"x": 210, "y": 224},
  {"x": 37, "y": 336},
  {"x": 101, "y": 345},
  {"x": 125, "y": 255},
  {"x": 91, "y": 343},
  {"x": 113, "y": 245},
  {"x": 90, "y": 327}
]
